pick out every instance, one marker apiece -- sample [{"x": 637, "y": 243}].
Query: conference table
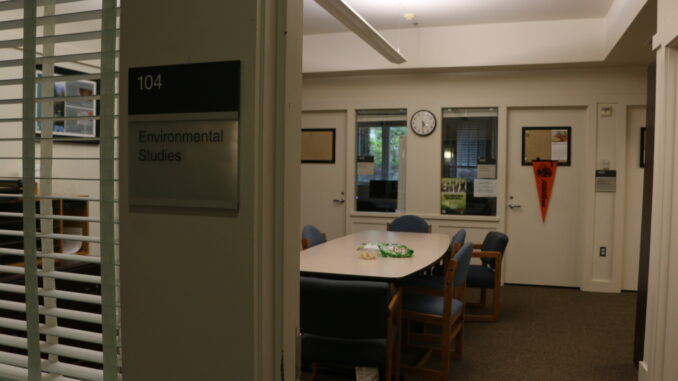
[{"x": 341, "y": 256}]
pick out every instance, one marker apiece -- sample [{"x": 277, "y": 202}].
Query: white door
[
  {"x": 544, "y": 253},
  {"x": 323, "y": 185}
]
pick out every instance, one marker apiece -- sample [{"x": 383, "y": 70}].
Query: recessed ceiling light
[{"x": 408, "y": 16}]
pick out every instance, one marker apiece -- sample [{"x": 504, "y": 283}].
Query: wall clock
[{"x": 423, "y": 122}]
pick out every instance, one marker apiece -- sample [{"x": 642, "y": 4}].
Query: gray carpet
[{"x": 549, "y": 334}]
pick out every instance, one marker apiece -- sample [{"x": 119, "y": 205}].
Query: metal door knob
[{"x": 514, "y": 206}]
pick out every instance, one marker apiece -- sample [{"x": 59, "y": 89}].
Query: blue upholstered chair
[
  {"x": 350, "y": 323},
  {"x": 443, "y": 308},
  {"x": 488, "y": 274},
  {"x": 456, "y": 244},
  {"x": 435, "y": 277},
  {"x": 409, "y": 223},
  {"x": 311, "y": 236}
]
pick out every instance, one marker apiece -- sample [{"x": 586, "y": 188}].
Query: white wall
[{"x": 588, "y": 88}]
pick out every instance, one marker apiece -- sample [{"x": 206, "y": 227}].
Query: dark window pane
[
  {"x": 377, "y": 163},
  {"x": 469, "y": 140}
]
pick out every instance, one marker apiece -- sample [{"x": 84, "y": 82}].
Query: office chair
[
  {"x": 488, "y": 274},
  {"x": 440, "y": 307},
  {"x": 409, "y": 223},
  {"x": 350, "y": 323},
  {"x": 311, "y": 236}
]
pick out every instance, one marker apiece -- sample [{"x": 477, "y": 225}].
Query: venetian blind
[{"x": 58, "y": 187}]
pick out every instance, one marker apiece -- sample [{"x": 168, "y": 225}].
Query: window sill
[{"x": 439, "y": 217}]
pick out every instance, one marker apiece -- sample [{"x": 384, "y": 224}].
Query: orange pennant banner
[{"x": 544, "y": 175}]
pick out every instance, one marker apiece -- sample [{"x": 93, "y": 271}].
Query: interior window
[
  {"x": 469, "y": 162},
  {"x": 380, "y": 136}
]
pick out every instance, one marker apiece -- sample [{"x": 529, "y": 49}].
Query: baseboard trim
[
  {"x": 643, "y": 371},
  {"x": 540, "y": 285}
]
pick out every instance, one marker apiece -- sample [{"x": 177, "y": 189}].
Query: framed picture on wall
[
  {"x": 317, "y": 145},
  {"x": 642, "y": 147},
  {"x": 547, "y": 143},
  {"x": 75, "y": 101}
]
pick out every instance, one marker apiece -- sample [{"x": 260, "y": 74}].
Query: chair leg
[
  {"x": 483, "y": 297},
  {"x": 459, "y": 341},
  {"x": 396, "y": 361},
  {"x": 314, "y": 372},
  {"x": 496, "y": 302},
  {"x": 445, "y": 352}
]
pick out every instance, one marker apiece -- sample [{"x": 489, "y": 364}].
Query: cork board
[
  {"x": 317, "y": 145},
  {"x": 547, "y": 143}
]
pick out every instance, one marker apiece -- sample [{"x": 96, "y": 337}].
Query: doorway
[
  {"x": 544, "y": 253},
  {"x": 323, "y": 185}
]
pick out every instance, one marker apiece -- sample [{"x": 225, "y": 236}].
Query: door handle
[
  {"x": 514, "y": 206},
  {"x": 339, "y": 200}
]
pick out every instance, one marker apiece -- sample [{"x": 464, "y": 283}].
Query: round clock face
[{"x": 423, "y": 122}]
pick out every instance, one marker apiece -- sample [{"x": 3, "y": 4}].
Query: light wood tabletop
[{"x": 341, "y": 256}]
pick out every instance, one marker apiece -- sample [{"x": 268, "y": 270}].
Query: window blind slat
[
  {"x": 13, "y": 372},
  {"x": 11, "y": 251},
  {"x": 13, "y": 288},
  {"x": 19, "y": 325},
  {"x": 67, "y": 58},
  {"x": 11, "y": 5},
  {"x": 73, "y": 352},
  {"x": 12, "y": 306},
  {"x": 65, "y": 295},
  {"x": 74, "y": 296},
  {"x": 11, "y": 270},
  {"x": 85, "y": 317},
  {"x": 55, "y": 349},
  {"x": 56, "y": 217},
  {"x": 10, "y": 63},
  {"x": 74, "y": 334},
  {"x": 79, "y": 372},
  {"x": 67, "y": 237},
  {"x": 69, "y": 77},
  {"x": 71, "y": 257},
  {"x": 64, "y": 18},
  {"x": 63, "y": 371},
  {"x": 69, "y": 276},
  {"x": 13, "y": 341}
]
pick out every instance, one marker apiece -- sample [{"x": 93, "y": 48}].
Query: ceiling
[{"x": 388, "y": 14}]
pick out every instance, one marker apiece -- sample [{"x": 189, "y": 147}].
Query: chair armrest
[
  {"x": 487, "y": 254},
  {"x": 395, "y": 302},
  {"x": 477, "y": 245}
]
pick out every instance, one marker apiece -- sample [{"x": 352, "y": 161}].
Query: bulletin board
[
  {"x": 547, "y": 143},
  {"x": 318, "y": 145}
]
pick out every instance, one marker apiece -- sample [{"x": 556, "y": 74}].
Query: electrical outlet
[{"x": 603, "y": 251}]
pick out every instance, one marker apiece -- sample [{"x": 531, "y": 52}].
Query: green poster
[{"x": 453, "y": 193}]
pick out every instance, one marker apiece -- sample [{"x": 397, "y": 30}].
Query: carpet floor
[{"x": 548, "y": 334}]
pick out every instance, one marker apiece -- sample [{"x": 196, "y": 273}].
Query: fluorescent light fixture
[{"x": 353, "y": 21}]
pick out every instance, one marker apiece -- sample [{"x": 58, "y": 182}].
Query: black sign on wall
[{"x": 186, "y": 88}]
